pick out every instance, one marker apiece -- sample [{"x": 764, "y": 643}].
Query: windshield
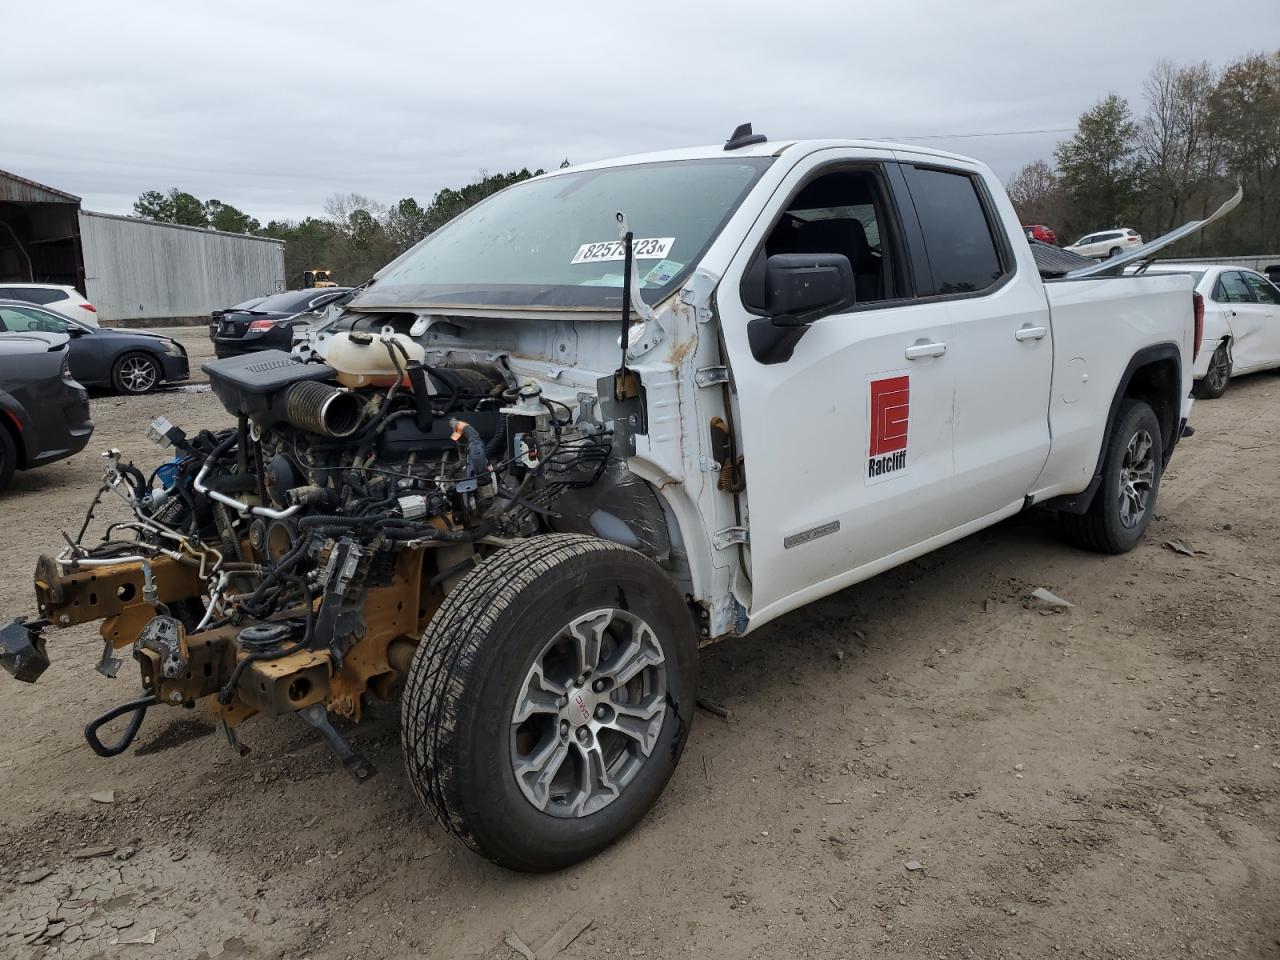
[{"x": 553, "y": 242}]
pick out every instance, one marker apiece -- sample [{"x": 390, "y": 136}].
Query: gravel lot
[{"x": 1102, "y": 782}]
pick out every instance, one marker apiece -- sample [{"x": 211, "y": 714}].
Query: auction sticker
[{"x": 653, "y": 248}]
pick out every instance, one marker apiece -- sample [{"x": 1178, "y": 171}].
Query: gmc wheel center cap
[{"x": 582, "y": 703}]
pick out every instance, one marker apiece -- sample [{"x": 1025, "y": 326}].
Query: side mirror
[
  {"x": 800, "y": 287},
  {"x": 795, "y": 289}
]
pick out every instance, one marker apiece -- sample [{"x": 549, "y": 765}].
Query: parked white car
[
  {"x": 60, "y": 299},
  {"x": 1241, "y": 323},
  {"x": 1108, "y": 243}
]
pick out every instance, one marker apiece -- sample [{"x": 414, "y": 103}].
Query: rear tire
[
  {"x": 1125, "y": 502},
  {"x": 518, "y": 744},
  {"x": 135, "y": 374},
  {"x": 1216, "y": 379},
  {"x": 8, "y": 458}
]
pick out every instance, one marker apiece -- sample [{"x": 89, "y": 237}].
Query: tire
[
  {"x": 135, "y": 374},
  {"x": 1216, "y": 379},
  {"x": 1116, "y": 520},
  {"x": 8, "y": 458},
  {"x": 1113, "y": 252},
  {"x": 500, "y": 641}
]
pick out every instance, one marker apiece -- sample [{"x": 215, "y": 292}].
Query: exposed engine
[{"x": 284, "y": 561}]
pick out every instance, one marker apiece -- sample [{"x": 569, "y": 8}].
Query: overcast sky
[{"x": 273, "y": 106}]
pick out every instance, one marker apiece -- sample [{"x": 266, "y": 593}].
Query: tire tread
[{"x": 432, "y": 730}]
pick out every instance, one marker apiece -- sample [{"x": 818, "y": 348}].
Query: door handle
[
  {"x": 922, "y": 348},
  {"x": 1028, "y": 332}
]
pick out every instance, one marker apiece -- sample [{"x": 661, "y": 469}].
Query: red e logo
[{"x": 890, "y": 414}]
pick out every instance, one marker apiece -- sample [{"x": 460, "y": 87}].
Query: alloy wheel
[
  {"x": 1217, "y": 373},
  {"x": 589, "y": 713},
  {"x": 1137, "y": 474},
  {"x": 137, "y": 374}
]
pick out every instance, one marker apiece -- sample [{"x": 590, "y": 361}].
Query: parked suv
[
  {"x": 1108, "y": 243},
  {"x": 60, "y": 299}
]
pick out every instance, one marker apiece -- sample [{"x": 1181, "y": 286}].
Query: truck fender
[{"x": 1079, "y": 502}]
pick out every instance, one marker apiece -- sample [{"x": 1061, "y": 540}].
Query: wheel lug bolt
[
  {"x": 583, "y": 735},
  {"x": 599, "y": 686},
  {"x": 563, "y": 702},
  {"x": 601, "y": 712},
  {"x": 564, "y": 727}
]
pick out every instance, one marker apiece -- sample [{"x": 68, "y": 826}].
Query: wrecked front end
[{"x": 289, "y": 564}]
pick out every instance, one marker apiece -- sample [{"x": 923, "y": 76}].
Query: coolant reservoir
[{"x": 363, "y": 359}]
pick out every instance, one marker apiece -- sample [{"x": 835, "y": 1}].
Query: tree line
[
  {"x": 354, "y": 238},
  {"x": 1201, "y": 130}
]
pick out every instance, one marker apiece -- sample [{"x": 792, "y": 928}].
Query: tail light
[
  {"x": 88, "y": 306},
  {"x": 262, "y": 325},
  {"x": 1199, "y": 313}
]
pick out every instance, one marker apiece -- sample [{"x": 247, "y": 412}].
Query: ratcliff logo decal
[{"x": 889, "y": 420}]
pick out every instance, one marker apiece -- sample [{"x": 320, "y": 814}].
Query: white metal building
[
  {"x": 135, "y": 272},
  {"x": 139, "y": 270}
]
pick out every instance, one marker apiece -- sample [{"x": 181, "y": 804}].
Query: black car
[
  {"x": 44, "y": 413},
  {"x": 269, "y": 323},
  {"x": 128, "y": 361}
]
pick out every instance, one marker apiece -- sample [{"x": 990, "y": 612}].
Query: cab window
[
  {"x": 844, "y": 212},
  {"x": 964, "y": 253}
]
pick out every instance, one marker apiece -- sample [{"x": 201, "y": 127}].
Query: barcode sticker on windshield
[{"x": 654, "y": 248}]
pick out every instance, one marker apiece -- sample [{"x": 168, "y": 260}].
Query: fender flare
[{"x": 1167, "y": 350}]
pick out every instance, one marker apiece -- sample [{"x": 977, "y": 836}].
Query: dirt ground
[{"x": 923, "y": 766}]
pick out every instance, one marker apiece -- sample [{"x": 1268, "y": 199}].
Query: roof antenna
[{"x": 743, "y": 137}]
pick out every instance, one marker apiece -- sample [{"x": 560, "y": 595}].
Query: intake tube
[{"x": 321, "y": 408}]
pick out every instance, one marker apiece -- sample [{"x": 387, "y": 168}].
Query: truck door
[
  {"x": 847, "y": 441},
  {"x": 1000, "y": 343}
]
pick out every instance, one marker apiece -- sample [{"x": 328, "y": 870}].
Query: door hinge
[
  {"x": 729, "y": 537},
  {"x": 710, "y": 376},
  {"x": 707, "y": 465}
]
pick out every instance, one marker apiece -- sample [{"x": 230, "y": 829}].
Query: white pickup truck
[{"x": 796, "y": 365}]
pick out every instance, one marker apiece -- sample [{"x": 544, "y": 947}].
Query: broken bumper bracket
[{"x": 22, "y": 651}]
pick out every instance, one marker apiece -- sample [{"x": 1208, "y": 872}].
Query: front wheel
[
  {"x": 1115, "y": 252},
  {"x": 135, "y": 373},
  {"x": 1215, "y": 380},
  {"x": 550, "y": 699},
  {"x": 1123, "y": 506}
]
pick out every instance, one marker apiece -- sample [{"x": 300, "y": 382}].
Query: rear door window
[
  {"x": 1231, "y": 288},
  {"x": 964, "y": 254},
  {"x": 39, "y": 295}
]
